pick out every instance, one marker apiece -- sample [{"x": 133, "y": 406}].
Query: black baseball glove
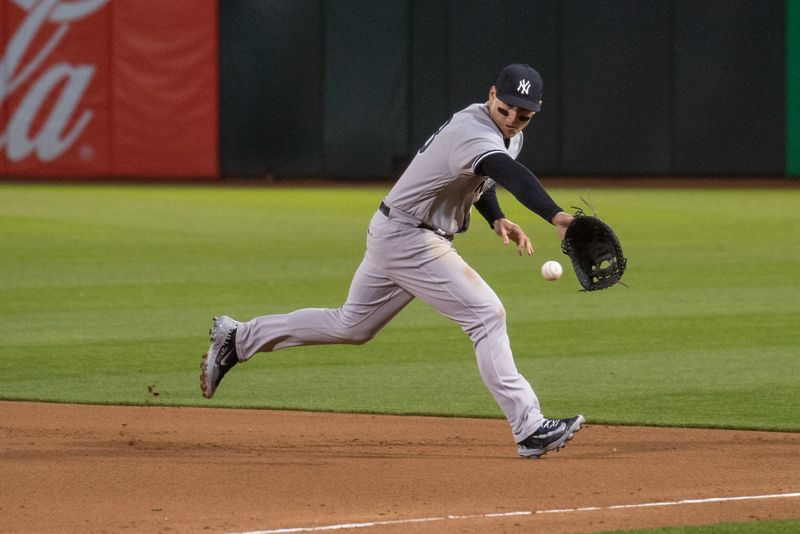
[{"x": 595, "y": 252}]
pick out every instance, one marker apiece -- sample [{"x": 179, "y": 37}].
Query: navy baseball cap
[{"x": 520, "y": 85}]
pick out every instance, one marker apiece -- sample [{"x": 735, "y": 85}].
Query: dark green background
[
  {"x": 793, "y": 88},
  {"x": 351, "y": 88}
]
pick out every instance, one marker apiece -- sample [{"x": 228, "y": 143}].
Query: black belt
[{"x": 385, "y": 210}]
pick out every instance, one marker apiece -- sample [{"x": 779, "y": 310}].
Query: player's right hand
[{"x": 509, "y": 231}]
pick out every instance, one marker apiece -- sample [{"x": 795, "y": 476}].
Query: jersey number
[{"x": 430, "y": 139}]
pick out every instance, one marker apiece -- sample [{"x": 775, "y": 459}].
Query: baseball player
[{"x": 410, "y": 254}]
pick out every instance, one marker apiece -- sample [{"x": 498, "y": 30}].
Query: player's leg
[
  {"x": 373, "y": 300},
  {"x": 371, "y": 303},
  {"x": 440, "y": 277}
]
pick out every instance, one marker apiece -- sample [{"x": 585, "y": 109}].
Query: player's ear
[{"x": 492, "y": 92}]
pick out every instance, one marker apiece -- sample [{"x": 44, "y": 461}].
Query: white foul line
[{"x": 348, "y": 526}]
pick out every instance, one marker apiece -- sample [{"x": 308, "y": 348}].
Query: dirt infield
[{"x": 69, "y": 469}]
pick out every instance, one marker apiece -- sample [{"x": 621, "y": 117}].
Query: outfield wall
[
  {"x": 350, "y": 88},
  {"x": 632, "y": 87},
  {"x": 793, "y": 88}
]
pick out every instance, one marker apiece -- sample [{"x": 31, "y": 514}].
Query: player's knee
[
  {"x": 358, "y": 332},
  {"x": 495, "y": 316},
  {"x": 359, "y": 336},
  {"x": 488, "y": 319}
]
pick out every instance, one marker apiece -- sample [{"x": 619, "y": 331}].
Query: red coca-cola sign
[
  {"x": 54, "y": 88},
  {"x": 67, "y": 90}
]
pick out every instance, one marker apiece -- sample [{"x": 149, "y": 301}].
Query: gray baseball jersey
[
  {"x": 404, "y": 261},
  {"x": 440, "y": 185}
]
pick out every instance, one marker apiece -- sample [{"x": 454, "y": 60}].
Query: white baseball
[{"x": 551, "y": 270}]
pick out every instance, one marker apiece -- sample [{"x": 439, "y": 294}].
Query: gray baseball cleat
[
  {"x": 551, "y": 436},
  {"x": 221, "y": 355}
]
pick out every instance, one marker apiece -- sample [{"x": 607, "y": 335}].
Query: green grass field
[
  {"x": 107, "y": 294},
  {"x": 760, "y": 527}
]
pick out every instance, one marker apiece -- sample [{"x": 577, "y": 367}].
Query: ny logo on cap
[{"x": 524, "y": 86}]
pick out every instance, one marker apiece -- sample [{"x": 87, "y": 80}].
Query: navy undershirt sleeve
[
  {"x": 520, "y": 182},
  {"x": 488, "y": 206}
]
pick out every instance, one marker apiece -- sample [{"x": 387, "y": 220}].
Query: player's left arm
[
  {"x": 525, "y": 187},
  {"x": 561, "y": 221}
]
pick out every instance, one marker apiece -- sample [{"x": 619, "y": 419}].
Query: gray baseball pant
[{"x": 402, "y": 262}]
